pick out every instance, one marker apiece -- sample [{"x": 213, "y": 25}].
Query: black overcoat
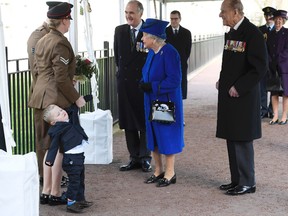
[
  {"x": 183, "y": 43},
  {"x": 244, "y": 63},
  {"x": 129, "y": 64}
]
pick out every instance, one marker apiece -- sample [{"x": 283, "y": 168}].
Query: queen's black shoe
[
  {"x": 154, "y": 179},
  {"x": 163, "y": 182}
]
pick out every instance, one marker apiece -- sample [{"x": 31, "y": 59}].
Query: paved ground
[{"x": 200, "y": 168}]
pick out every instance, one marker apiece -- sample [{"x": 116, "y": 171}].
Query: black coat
[
  {"x": 238, "y": 119},
  {"x": 183, "y": 43},
  {"x": 129, "y": 64},
  {"x": 265, "y": 31}
]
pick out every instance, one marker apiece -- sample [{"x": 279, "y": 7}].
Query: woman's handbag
[
  {"x": 274, "y": 82},
  {"x": 163, "y": 111}
]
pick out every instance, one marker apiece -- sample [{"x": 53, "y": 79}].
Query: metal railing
[{"x": 19, "y": 81}]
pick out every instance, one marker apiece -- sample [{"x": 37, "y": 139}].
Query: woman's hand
[{"x": 80, "y": 102}]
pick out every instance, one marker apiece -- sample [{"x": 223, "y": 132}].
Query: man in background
[
  {"x": 181, "y": 39},
  {"x": 129, "y": 60},
  {"x": 266, "y": 108}
]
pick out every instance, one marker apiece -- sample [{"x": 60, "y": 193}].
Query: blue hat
[
  {"x": 281, "y": 13},
  {"x": 268, "y": 11},
  {"x": 60, "y": 11},
  {"x": 155, "y": 27}
]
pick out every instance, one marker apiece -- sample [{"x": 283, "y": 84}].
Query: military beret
[
  {"x": 60, "y": 11},
  {"x": 268, "y": 11},
  {"x": 280, "y": 13}
]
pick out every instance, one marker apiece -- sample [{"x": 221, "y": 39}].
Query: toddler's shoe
[
  {"x": 85, "y": 203},
  {"x": 74, "y": 208}
]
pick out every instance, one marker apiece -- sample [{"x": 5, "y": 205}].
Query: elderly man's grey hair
[{"x": 237, "y": 5}]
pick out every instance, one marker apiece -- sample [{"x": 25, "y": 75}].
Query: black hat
[
  {"x": 281, "y": 13},
  {"x": 268, "y": 11},
  {"x": 60, "y": 11},
  {"x": 52, "y": 3}
]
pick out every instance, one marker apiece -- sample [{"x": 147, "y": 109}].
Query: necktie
[
  {"x": 133, "y": 38},
  {"x": 269, "y": 28},
  {"x": 175, "y": 31}
]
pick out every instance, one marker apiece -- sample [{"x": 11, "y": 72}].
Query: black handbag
[
  {"x": 163, "y": 111},
  {"x": 274, "y": 82}
]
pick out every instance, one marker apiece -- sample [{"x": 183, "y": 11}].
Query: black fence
[{"x": 19, "y": 81}]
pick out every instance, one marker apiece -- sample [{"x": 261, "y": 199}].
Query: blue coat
[{"x": 164, "y": 73}]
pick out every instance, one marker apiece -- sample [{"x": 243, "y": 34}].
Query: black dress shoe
[
  {"x": 273, "y": 122},
  {"x": 44, "y": 198},
  {"x": 283, "y": 122},
  {"x": 154, "y": 179},
  {"x": 239, "y": 190},
  {"x": 227, "y": 186},
  {"x": 54, "y": 200},
  {"x": 131, "y": 165},
  {"x": 165, "y": 182},
  {"x": 146, "y": 166}
]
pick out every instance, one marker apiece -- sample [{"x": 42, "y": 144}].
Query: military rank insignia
[{"x": 235, "y": 46}]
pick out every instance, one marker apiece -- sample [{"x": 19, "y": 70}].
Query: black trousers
[
  {"x": 73, "y": 165},
  {"x": 241, "y": 162},
  {"x": 136, "y": 144}
]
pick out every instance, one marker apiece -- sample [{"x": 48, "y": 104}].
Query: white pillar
[{"x": 73, "y": 31}]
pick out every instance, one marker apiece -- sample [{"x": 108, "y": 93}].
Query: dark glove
[
  {"x": 146, "y": 87},
  {"x": 88, "y": 98}
]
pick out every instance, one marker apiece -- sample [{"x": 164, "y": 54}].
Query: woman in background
[{"x": 277, "y": 44}]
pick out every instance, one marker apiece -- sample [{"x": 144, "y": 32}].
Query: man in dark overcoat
[
  {"x": 181, "y": 39},
  {"x": 244, "y": 64},
  {"x": 266, "y": 108},
  {"x": 130, "y": 58}
]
